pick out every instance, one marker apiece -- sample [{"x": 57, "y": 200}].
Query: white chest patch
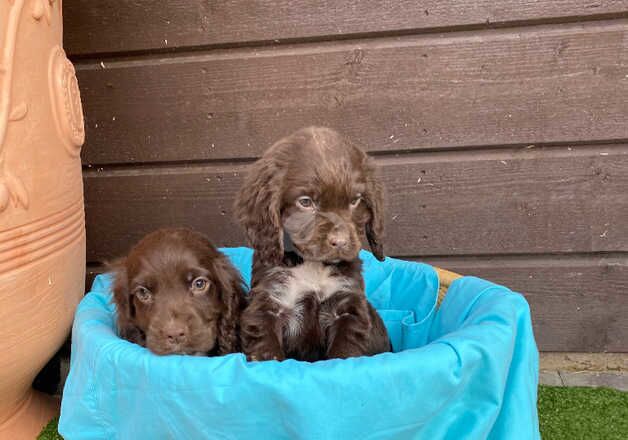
[{"x": 310, "y": 277}]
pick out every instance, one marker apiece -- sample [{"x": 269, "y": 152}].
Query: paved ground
[{"x": 585, "y": 369}]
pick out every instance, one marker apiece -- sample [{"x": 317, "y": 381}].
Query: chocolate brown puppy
[
  {"x": 305, "y": 205},
  {"x": 175, "y": 293}
]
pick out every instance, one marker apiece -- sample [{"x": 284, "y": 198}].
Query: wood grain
[
  {"x": 505, "y": 87},
  {"x": 501, "y": 129},
  {"x": 140, "y": 25},
  {"x": 578, "y": 302},
  {"x": 554, "y": 200}
]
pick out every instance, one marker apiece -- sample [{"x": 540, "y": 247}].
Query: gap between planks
[
  {"x": 498, "y": 260},
  {"x": 505, "y": 153}
]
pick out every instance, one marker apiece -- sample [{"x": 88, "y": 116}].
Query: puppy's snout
[
  {"x": 338, "y": 240},
  {"x": 175, "y": 333}
]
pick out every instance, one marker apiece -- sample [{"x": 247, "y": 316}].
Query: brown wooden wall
[{"x": 501, "y": 127}]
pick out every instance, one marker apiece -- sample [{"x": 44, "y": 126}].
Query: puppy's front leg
[
  {"x": 348, "y": 333},
  {"x": 261, "y": 329}
]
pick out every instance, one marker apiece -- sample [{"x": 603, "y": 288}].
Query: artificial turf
[
  {"x": 583, "y": 413},
  {"x": 50, "y": 431},
  {"x": 571, "y": 413}
]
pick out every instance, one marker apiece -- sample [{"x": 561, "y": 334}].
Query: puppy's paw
[{"x": 265, "y": 355}]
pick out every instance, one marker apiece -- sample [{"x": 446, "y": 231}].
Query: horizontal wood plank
[
  {"x": 578, "y": 303},
  {"x": 506, "y": 87},
  {"x": 556, "y": 200},
  {"x": 140, "y": 25}
]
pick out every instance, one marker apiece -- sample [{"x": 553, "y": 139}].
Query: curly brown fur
[
  {"x": 321, "y": 164},
  {"x": 310, "y": 198},
  {"x": 176, "y": 293}
]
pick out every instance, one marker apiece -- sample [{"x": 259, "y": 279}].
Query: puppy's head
[
  {"x": 320, "y": 190},
  {"x": 175, "y": 293}
]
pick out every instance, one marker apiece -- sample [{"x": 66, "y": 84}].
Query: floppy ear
[
  {"x": 375, "y": 202},
  {"x": 257, "y": 207},
  {"x": 123, "y": 301},
  {"x": 230, "y": 287}
]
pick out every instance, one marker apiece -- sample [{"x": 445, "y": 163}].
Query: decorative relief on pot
[
  {"x": 66, "y": 101},
  {"x": 42, "y": 8},
  {"x": 42, "y": 220},
  {"x": 12, "y": 188}
]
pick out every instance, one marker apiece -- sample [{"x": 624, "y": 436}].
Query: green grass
[
  {"x": 50, "y": 431},
  {"x": 569, "y": 413},
  {"x": 583, "y": 413}
]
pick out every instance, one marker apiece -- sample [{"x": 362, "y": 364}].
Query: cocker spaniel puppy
[
  {"x": 175, "y": 293},
  {"x": 305, "y": 206}
]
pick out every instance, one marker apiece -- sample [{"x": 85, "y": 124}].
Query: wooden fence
[{"x": 501, "y": 128}]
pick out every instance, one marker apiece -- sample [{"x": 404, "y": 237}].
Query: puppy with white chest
[{"x": 305, "y": 206}]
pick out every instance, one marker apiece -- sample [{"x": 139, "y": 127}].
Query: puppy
[
  {"x": 304, "y": 206},
  {"x": 175, "y": 293}
]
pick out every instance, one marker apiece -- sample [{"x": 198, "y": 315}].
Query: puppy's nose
[
  {"x": 338, "y": 241},
  {"x": 175, "y": 333}
]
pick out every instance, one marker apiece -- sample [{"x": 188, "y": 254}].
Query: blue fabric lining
[{"x": 468, "y": 369}]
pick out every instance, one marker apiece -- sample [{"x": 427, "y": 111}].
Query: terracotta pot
[{"x": 42, "y": 225}]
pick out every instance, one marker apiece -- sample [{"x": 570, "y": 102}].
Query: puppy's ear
[
  {"x": 375, "y": 201},
  {"x": 231, "y": 289},
  {"x": 122, "y": 298},
  {"x": 257, "y": 207}
]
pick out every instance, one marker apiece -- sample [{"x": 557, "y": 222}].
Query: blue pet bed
[{"x": 465, "y": 370}]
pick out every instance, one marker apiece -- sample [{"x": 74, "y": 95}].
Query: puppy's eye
[
  {"x": 305, "y": 202},
  {"x": 143, "y": 294},
  {"x": 356, "y": 201},
  {"x": 200, "y": 285}
]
